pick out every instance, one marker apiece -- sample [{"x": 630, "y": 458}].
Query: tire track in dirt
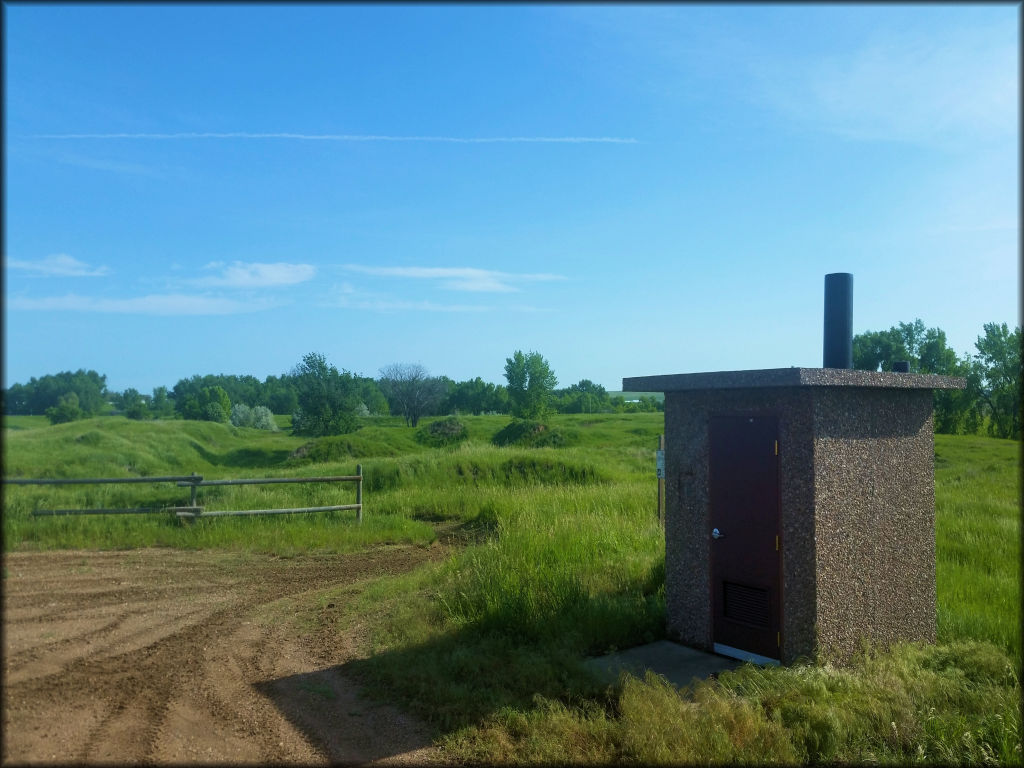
[{"x": 158, "y": 656}]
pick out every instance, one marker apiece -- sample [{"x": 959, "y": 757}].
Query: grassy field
[{"x": 562, "y": 557}]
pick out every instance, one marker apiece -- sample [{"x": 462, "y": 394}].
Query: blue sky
[{"x": 629, "y": 190}]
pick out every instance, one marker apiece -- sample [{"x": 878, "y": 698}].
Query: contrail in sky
[{"x": 348, "y": 137}]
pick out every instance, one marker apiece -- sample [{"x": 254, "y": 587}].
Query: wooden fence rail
[
  {"x": 194, "y": 482},
  {"x": 86, "y": 480}
]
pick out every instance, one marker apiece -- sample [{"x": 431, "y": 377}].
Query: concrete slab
[{"x": 676, "y": 663}]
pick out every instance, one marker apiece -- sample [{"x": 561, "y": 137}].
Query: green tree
[
  {"x": 38, "y": 395},
  {"x": 17, "y": 400},
  {"x": 327, "y": 398},
  {"x": 995, "y": 374},
  {"x": 531, "y": 383},
  {"x": 926, "y": 351},
  {"x": 912, "y": 336},
  {"x": 878, "y": 350},
  {"x": 191, "y": 403},
  {"x": 65, "y": 410},
  {"x": 186, "y": 397},
  {"x": 371, "y": 396},
  {"x": 215, "y": 412},
  {"x": 583, "y": 397},
  {"x": 134, "y": 404},
  {"x": 283, "y": 400},
  {"x": 161, "y": 404},
  {"x": 476, "y": 396},
  {"x": 498, "y": 400},
  {"x": 955, "y": 409},
  {"x": 215, "y": 404}
]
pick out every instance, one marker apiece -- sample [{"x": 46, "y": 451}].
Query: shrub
[
  {"x": 241, "y": 415},
  {"x": 262, "y": 418},
  {"x": 214, "y": 412},
  {"x": 134, "y": 405},
  {"x": 438, "y": 434},
  {"x": 533, "y": 434},
  {"x": 257, "y": 417},
  {"x": 215, "y": 396},
  {"x": 65, "y": 410}
]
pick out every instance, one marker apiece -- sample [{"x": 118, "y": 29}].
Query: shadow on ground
[
  {"x": 328, "y": 707},
  {"x": 341, "y": 709},
  {"x": 243, "y": 457}
]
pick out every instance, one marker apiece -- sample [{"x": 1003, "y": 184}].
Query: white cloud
[
  {"x": 160, "y": 304},
  {"x": 57, "y": 265},
  {"x": 348, "y": 137},
  {"x": 385, "y": 305},
  {"x": 958, "y": 85},
  {"x": 256, "y": 275},
  {"x": 458, "y": 278}
]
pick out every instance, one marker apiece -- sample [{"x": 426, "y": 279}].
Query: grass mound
[
  {"x": 371, "y": 440},
  {"x": 522, "y": 433},
  {"x": 443, "y": 433},
  {"x": 113, "y": 446},
  {"x": 478, "y": 465}
]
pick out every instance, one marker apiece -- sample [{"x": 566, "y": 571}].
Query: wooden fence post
[
  {"x": 359, "y": 493},
  {"x": 192, "y": 494}
]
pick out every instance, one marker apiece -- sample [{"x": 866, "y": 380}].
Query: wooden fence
[{"x": 194, "y": 482}]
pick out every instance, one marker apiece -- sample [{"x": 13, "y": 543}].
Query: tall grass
[
  {"x": 489, "y": 648},
  {"x": 564, "y": 558},
  {"x": 406, "y": 487},
  {"x": 118, "y": 447},
  {"x": 978, "y": 539},
  {"x": 595, "y": 575},
  {"x": 945, "y": 705}
]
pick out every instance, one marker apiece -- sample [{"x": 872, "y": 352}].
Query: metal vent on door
[{"x": 746, "y": 604}]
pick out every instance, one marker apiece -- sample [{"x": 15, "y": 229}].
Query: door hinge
[
  {"x": 778, "y": 639},
  {"x": 776, "y": 543},
  {"x": 776, "y": 447}
]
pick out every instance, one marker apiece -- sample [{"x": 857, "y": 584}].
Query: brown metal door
[{"x": 744, "y": 531}]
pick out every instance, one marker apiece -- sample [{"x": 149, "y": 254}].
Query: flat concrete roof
[{"x": 790, "y": 377}]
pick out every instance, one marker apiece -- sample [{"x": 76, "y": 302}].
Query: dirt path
[{"x": 162, "y": 656}]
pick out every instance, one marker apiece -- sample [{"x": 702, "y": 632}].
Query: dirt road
[{"x": 164, "y": 656}]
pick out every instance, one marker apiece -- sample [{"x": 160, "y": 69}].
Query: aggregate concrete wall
[
  {"x": 857, "y": 506},
  {"x": 874, "y": 521},
  {"x": 687, "y": 541}
]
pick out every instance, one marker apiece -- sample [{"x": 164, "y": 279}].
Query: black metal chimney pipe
[{"x": 838, "y": 351}]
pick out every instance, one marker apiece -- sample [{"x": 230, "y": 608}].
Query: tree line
[
  {"x": 323, "y": 399},
  {"x": 991, "y": 402},
  {"x": 320, "y": 398}
]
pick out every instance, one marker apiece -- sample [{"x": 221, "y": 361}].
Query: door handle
[{"x": 716, "y": 534}]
